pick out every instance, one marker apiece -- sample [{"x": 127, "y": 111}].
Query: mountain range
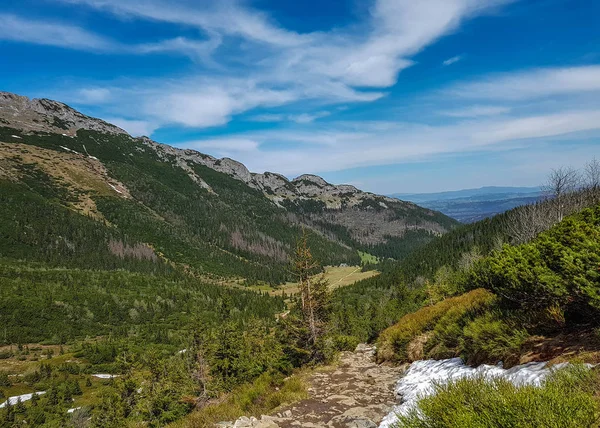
[
  {"x": 470, "y": 205},
  {"x": 96, "y": 195}
]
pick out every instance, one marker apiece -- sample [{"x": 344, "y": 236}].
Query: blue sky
[{"x": 388, "y": 95}]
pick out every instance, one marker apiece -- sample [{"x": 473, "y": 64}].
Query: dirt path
[{"x": 357, "y": 394}]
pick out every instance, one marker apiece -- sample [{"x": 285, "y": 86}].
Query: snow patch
[
  {"x": 421, "y": 377},
  {"x": 105, "y": 376},
  {"x": 115, "y": 189},
  {"x": 16, "y": 398},
  {"x": 16, "y": 136},
  {"x": 69, "y": 150}
]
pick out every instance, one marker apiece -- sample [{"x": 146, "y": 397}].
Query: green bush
[
  {"x": 566, "y": 399},
  {"x": 346, "y": 343},
  {"x": 559, "y": 269},
  {"x": 489, "y": 338},
  {"x": 393, "y": 342}
]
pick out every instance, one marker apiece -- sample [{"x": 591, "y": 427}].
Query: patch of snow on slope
[
  {"x": 421, "y": 376},
  {"x": 105, "y": 376},
  {"x": 16, "y": 398},
  {"x": 69, "y": 150},
  {"x": 115, "y": 189}
]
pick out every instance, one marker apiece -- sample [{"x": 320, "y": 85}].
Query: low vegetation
[
  {"x": 541, "y": 287},
  {"x": 262, "y": 396},
  {"x": 568, "y": 399}
]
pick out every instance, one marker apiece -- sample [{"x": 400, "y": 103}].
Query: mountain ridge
[
  {"x": 202, "y": 209},
  {"x": 32, "y": 115}
]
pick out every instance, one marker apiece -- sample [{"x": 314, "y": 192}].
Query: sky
[{"x": 393, "y": 96}]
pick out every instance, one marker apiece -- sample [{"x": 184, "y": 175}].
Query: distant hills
[{"x": 470, "y": 205}]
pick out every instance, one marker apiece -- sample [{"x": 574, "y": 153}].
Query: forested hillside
[
  {"x": 431, "y": 272},
  {"x": 90, "y": 191}
]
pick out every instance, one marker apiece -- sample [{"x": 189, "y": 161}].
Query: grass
[
  {"x": 393, "y": 343},
  {"x": 338, "y": 276},
  {"x": 262, "y": 396},
  {"x": 71, "y": 170},
  {"x": 567, "y": 399},
  {"x": 367, "y": 258}
]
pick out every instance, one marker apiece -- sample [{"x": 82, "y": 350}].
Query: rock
[
  {"x": 287, "y": 414},
  {"x": 245, "y": 422},
  {"x": 361, "y": 423},
  {"x": 50, "y": 116},
  {"x": 342, "y": 399},
  {"x": 266, "y": 424}
]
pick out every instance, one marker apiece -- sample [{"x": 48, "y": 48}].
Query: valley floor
[{"x": 337, "y": 276}]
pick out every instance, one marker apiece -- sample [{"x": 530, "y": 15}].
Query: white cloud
[
  {"x": 137, "y": 128},
  {"x": 268, "y": 118},
  {"x": 309, "y": 118},
  {"x": 532, "y": 84},
  {"x": 303, "y": 118},
  {"x": 224, "y": 17},
  {"x": 93, "y": 95},
  {"x": 272, "y": 66},
  {"x": 225, "y": 145},
  {"x": 476, "y": 111},
  {"x": 453, "y": 60},
  {"x": 341, "y": 146},
  {"x": 199, "y": 50},
  {"x": 18, "y": 29}
]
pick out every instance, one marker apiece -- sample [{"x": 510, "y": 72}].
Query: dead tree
[{"x": 561, "y": 185}]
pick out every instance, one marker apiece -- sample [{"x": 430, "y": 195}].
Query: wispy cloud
[
  {"x": 225, "y": 146},
  {"x": 476, "y": 111},
  {"x": 136, "y": 128},
  {"x": 453, "y": 60},
  {"x": 298, "y": 118},
  {"x": 341, "y": 146},
  {"x": 94, "y": 95},
  {"x": 62, "y": 35},
  {"x": 275, "y": 66},
  {"x": 531, "y": 84}
]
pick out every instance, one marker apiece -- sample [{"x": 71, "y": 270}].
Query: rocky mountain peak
[
  {"x": 234, "y": 168},
  {"x": 41, "y": 114},
  {"x": 312, "y": 179}
]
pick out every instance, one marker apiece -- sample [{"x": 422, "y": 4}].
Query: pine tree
[{"x": 314, "y": 293}]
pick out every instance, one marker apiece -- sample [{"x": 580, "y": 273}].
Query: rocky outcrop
[
  {"x": 357, "y": 393},
  {"x": 48, "y": 116}
]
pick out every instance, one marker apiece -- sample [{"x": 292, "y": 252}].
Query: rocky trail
[{"x": 357, "y": 393}]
